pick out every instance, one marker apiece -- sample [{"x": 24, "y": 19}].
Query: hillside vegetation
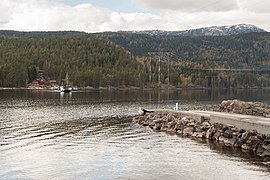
[
  {"x": 239, "y": 51},
  {"x": 121, "y": 59},
  {"x": 88, "y": 61}
]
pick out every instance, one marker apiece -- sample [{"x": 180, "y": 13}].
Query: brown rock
[
  {"x": 205, "y": 125},
  {"x": 209, "y": 133},
  {"x": 216, "y": 135},
  {"x": 171, "y": 124},
  {"x": 253, "y": 140},
  {"x": 188, "y": 131},
  {"x": 245, "y": 136},
  {"x": 179, "y": 132},
  {"x": 199, "y": 135},
  {"x": 171, "y": 131},
  {"x": 246, "y": 147},
  {"x": 221, "y": 139},
  {"x": 164, "y": 127},
  {"x": 229, "y": 141},
  {"x": 157, "y": 126},
  {"x": 238, "y": 143}
]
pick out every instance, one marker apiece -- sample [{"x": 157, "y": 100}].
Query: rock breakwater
[
  {"x": 242, "y": 107},
  {"x": 177, "y": 123}
]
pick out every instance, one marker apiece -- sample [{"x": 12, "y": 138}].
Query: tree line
[
  {"x": 88, "y": 61},
  {"x": 116, "y": 59}
]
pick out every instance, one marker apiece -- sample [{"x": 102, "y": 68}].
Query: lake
[{"x": 90, "y": 135}]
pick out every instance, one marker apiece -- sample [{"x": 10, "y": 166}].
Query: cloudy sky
[{"x": 114, "y": 15}]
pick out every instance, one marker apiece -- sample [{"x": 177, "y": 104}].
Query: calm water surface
[{"x": 89, "y": 135}]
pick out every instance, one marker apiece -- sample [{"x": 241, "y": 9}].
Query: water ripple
[{"x": 81, "y": 137}]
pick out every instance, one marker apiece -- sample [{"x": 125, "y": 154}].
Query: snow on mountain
[{"x": 209, "y": 31}]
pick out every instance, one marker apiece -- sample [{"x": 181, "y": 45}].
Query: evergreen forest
[{"x": 129, "y": 59}]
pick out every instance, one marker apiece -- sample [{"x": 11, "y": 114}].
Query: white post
[{"x": 176, "y": 106}]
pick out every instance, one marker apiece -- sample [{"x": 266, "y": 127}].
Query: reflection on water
[{"x": 89, "y": 135}]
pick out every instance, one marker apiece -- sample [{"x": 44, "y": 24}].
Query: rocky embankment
[
  {"x": 242, "y": 107},
  {"x": 175, "y": 123}
]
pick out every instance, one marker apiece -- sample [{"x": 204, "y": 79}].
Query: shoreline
[
  {"x": 112, "y": 88},
  {"x": 186, "y": 125}
]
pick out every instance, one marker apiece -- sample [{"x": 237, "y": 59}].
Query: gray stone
[
  {"x": 205, "y": 125},
  {"x": 209, "y": 133},
  {"x": 242, "y": 130},
  {"x": 229, "y": 141},
  {"x": 259, "y": 150},
  {"x": 253, "y": 140},
  {"x": 261, "y": 136},
  {"x": 198, "y": 129},
  {"x": 188, "y": 131},
  {"x": 171, "y": 124},
  {"x": 267, "y": 140},
  {"x": 199, "y": 135},
  {"x": 216, "y": 135},
  {"x": 221, "y": 139},
  {"x": 238, "y": 143},
  {"x": 246, "y": 147},
  {"x": 157, "y": 121},
  {"x": 170, "y": 117},
  {"x": 217, "y": 126},
  {"x": 265, "y": 153},
  {"x": 157, "y": 127},
  {"x": 266, "y": 147},
  {"x": 171, "y": 131},
  {"x": 245, "y": 136},
  {"x": 228, "y": 133},
  {"x": 179, "y": 132},
  {"x": 191, "y": 124},
  {"x": 164, "y": 127},
  {"x": 235, "y": 135},
  {"x": 225, "y": 128},
  {"x": 254, "y": 132}
]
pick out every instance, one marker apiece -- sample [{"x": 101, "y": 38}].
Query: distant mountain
[
  {"x": 40, "y": 34},
  {"x": 207, "y": 31}
]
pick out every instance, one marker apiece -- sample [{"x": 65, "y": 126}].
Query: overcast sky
[{"x": 114, "y": 15}]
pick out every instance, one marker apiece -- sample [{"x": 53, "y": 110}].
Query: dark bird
[{"x": 144, "y": 111}]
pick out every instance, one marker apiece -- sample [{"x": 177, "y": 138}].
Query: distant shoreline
[{"x": 134, "y": 88}]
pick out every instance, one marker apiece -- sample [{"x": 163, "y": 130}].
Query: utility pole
[
  {"x": 159, "y": 59},
  {"x": 168, "y": 70},
  {"x": 150, "y": 70}
]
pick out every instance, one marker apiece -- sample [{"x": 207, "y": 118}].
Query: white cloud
[
  {"x": 189, "y": 5},
  {"x": 45, "y": 15},
  {"x": 52, "y": 15},
  {"x": 258, "y": 6}
]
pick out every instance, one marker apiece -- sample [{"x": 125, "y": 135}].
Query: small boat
[{"x": 65, "y": 89}]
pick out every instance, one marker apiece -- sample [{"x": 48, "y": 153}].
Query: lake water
[{"x": 90, "y": 135}]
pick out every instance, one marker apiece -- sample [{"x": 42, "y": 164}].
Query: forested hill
[
  {"x": 120, "y": 59},
  {"x": 88, "y": 61},
  {"x": 238, "y": 51},
  {"x": 41, "y": 34}
]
